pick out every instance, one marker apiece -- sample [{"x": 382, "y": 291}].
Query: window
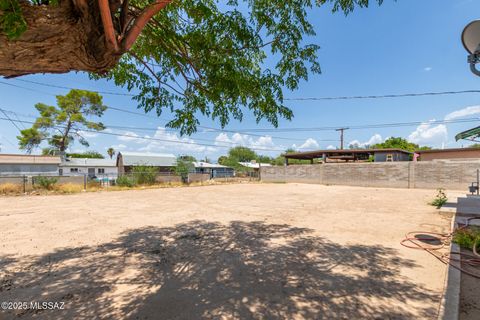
[
  {"x": 74, "y": 170},
  {"x": 101, "y": 170},
  {"x": 389, "y": 157}
]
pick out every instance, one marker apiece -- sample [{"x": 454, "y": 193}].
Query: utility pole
[{"x": 341, "y": 136}]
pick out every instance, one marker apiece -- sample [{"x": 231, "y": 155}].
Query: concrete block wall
[{"x": 453, "y": 175}]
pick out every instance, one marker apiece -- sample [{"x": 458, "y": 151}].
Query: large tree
[
  {"x": 190, "y": 56},
  {"x": 399, "y": 143},
  {"x": 60, "y": 126}
]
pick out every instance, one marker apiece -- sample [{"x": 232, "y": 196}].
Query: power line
[
  {"x": 368, "y": 126},
  {"x": 383, "y": 96},
  {"x": 373, "y": 126},
  {"x": 156, "y": 118},
  {"x": 154, "y": 139},
  {"x": 9, "y": 119},
  {"x": 166, "y": 130},
  {"x": 70, "y": 88}
]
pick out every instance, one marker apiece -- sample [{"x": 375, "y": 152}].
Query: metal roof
[
  {"x": 88, "y": 162},
  {"x": 28, "y": 159},
  {"x": 254, "y": 165},
  {"x": 201, "y": 164},
  {"x": 148, "y": 159}
]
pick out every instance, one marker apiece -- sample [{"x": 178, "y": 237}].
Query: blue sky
[{"x": 400, "y": 47}]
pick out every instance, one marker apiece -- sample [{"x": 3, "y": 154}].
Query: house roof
[
  {"x": 88, "y": 162},
  {"x": 148, "y": 159},
  {"x": 254, "y": 165},
  {"x": 28, "y": 159},
  {"x": 449, "y": 150},
  {"x": 319, "y": 153},
  {"x": 201, "y": 164}
]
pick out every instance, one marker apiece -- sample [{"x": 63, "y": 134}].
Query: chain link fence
[{"x": 25, "y": 184}]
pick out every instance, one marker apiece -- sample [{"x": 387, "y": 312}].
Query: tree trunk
[{"x": 59, "y": 39}]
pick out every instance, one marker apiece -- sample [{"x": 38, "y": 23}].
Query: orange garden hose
[{"x": 472, "y": 259}]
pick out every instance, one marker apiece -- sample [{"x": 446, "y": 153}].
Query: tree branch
[
  {"x": 142, "y": 21},
  {"x": 107, "y": 23},
  {"x": 152, "y": 72}
]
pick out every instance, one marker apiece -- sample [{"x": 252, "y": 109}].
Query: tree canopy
[
  {"x": 87, "y": 154},
  {"x": 191, "y": 57},
  {"x": 399, "y": 143},
  {"x": 60, "y": 126}
]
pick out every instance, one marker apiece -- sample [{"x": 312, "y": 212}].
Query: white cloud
[
  {"x": 468, "y": 111},
  {"x": 310, "y": 143},
  {"x": 173, "y": 143},
  {"x": 129, "y": 136},
  {"x": 427, "y": 69},
  {"x": 237, "y": 139},
  {"x": 376, "y": 138},
  {"x": 330, "y": 147},
  {"x": 428, "y": 133}
]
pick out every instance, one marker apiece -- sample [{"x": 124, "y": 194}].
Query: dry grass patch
[{"x": 10, "y": 188}]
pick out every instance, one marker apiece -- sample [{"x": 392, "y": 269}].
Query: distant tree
[
  {"x": 398, "y": 143},
  {"x": 264, "y": 159},
  {"x": 88, "y": 154},
  {"x": 188, "y": 158},
  {"x": 280, "y": 160},
  {"x": 183, "y": 168},
  {"x": 221, "y": 160},
  {"x": 111, "y": 152},
  {"x": 61, "y": 125},
  {"x": 242, "y": 154},
  {"x": 475, "y": 145},
  {"x": 143, "y": 174}
]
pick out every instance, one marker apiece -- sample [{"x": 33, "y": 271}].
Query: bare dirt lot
[{"x": 245, "y": 251}]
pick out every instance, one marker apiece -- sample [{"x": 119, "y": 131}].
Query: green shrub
[
  {"x": 466, "y": 237},
  {"x": 183, "y": 168},
  {"x": 144, "y": 174},
  {"x": 440, "y": 199},
  {"x": 46, "y": 182},
  {"x": 125, "y": 181}
]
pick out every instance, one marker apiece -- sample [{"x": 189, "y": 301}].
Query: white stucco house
[{"x": 92, "y": 167}]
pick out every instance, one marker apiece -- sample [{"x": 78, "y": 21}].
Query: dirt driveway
[{"x": 245, "y": 251}]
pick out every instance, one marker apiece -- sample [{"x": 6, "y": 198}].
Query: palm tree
[{"x": 111, "y": 152}]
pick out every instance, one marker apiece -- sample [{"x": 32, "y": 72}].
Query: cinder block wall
[{"x": 456, "y": 175}]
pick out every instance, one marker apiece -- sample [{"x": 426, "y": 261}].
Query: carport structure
[{"x": 379, "y": 155}]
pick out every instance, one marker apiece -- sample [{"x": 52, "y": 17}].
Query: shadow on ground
[{"x": 244, "y": 270}]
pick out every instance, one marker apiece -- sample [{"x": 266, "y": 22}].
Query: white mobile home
[{"x": 90, "y": 167}]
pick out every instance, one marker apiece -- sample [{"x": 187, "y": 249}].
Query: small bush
[
  {"x": 46, "y": 182},
  {"x": 125, "y": 181},
  {"x": 466, "y": 237},
  {"x": 144, "y": 174},
  {"x": 440, "y": 199},
  {"x": 10, "y": 188}
]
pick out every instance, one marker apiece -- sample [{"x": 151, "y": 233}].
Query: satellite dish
[
  {"x": 471, "y": 42},
  {"x": 471, "y": 36}
]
